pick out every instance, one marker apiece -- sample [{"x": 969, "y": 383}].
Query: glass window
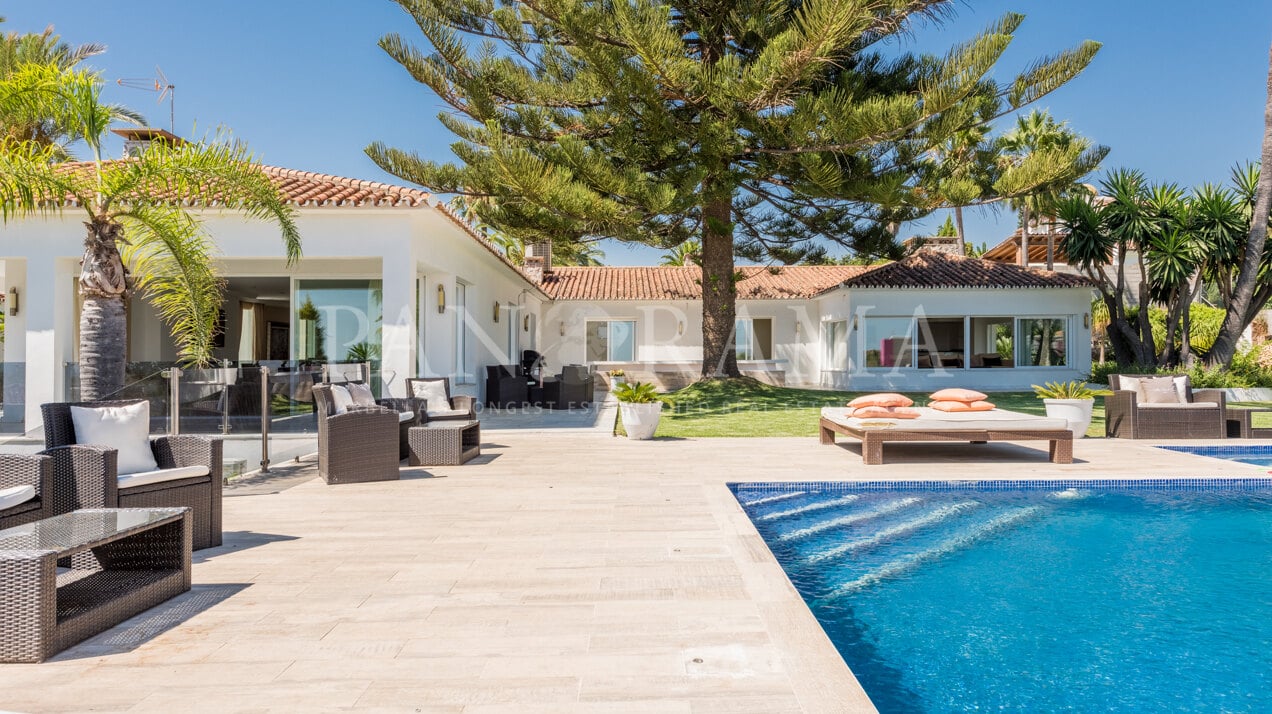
[
  {"x": 888, "y": 342},
  {"x": 1042, "y": 342},
  {"x": 940, "y": 343},
  {"x": 753, "y": 338},
  {"x": 611, "y": 341},
  {"x": 835, "y": 339},
  {"x": 337, "y": 320},
  {"x": 993, "y": 342}
]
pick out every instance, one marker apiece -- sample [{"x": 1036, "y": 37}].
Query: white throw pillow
[
  {"x": 361, "y": 395},
  {"x": 1130, "y": 384},
  {"x": 125, "y": 429},
  {"x": 434, "y": 393},
  {"x": 1181, "y": 387},
  {"x": 340, "y": 398}
]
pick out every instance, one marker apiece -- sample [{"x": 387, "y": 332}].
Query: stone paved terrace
[{"x": 570, "y": 573}]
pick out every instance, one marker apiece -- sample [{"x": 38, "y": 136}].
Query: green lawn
[{"x": 751, "y": 408}]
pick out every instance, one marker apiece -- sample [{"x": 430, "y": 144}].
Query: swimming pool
[
  {"x": 1036, "y": 596},
  {"x": 1257, "y": 455}
]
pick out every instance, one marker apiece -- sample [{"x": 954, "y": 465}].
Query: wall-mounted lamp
[
  {"x": 1086, "y": 320},
  {"x": 680, "y": 327},
  {"x": 562, "y": 329},
  {"x": 854, "y": 323},
  {"x": 441, "y": 298},
  {"x": 525, "y": 324},
  {"x": 797, "y": 327},
  {"x": 497, "y": 310},
  {"x": 13, "y": 301}
]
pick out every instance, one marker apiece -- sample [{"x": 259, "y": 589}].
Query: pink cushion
[
  {"x": 953, "y": 406},
  {"x": 958, "y": 395},
  {"x": 884, "y": 399},
  {"x": 885, "y": 413}
]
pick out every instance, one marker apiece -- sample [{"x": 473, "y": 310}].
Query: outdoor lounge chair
[
  {"x": 26, "y": 489},
  {"x": 575, "y": 387},
  {"x": 87, "y": 475},
  {"x": 451, "y": 408},
  {"x": 358, "y": 445},
  {"x": 506, "y": 386},
  {"x": 1198, "y": 415},
  {"x": 933, "y": 425}
]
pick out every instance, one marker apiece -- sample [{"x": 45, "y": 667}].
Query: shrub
[{"x": 1245, "y": 371}]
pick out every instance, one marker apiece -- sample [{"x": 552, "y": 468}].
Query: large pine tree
[{"x": 761, "y": 128}]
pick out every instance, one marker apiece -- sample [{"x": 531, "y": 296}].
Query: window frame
[{"x": 609, "y": 341}]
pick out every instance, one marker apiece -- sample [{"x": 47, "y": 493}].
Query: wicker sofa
[
  {"x": 34, "y": 472},
  {"x": 1199, "y": 416},
  {"x": 362, "y": 444},
  {"x": 86, "y": 475}
]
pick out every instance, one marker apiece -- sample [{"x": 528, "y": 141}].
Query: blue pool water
[
  {"x": 1257, "y": 455},
  {"x": 1039, "y": 598}
]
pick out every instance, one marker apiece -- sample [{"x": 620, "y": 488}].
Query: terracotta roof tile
[
  {"x": 685, "y": 283},
  {"x": 934, "y": 269}
]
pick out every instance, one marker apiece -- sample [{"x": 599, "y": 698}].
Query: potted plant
[
  {"x": 1071, "y": 401},
  {"x": 641, "y": 408},
  {"x": 617, "y": 377}
]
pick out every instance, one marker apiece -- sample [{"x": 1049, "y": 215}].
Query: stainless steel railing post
[
  {"x": 265, "y": 409},
  {"x": 174, "y": 400}
]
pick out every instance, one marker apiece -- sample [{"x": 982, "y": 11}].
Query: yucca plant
[
  {"x": 1075, "y": 389},
  {"x": 640, "y": 393}
]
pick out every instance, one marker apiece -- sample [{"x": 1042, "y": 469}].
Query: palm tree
[
  {"x": 687, "y": 253},
  {"x": 135, "y": 212},
  {"x": 1042, "y": 162},
  {"x": 44, "y": 48}
]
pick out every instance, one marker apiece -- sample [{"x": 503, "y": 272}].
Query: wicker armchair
[
  {"x": 1201, "y": 416},
  {"x": 359, "y": 445},
  {"x": 21, "y": 470},
  {"x": 86, "y": 475},
  {"x": 506, "y": 386},
  {"x": 576, "y": 385},
  {"x": 460, "y": 407}
]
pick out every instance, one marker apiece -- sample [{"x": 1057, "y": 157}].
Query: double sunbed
[{"x": 932, "y": 425}]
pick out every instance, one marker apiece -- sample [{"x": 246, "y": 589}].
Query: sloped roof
[
  {"x": 308, "y": 189},
  {"x": 685, "y": 283},
  {"x": 1008, "y": 251},
  {"x": 934, "y": 269}
]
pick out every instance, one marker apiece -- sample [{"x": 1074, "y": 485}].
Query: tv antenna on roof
[{"x": 167, "y": 90}]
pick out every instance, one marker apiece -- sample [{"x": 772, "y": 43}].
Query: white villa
[{"x": 391, "y": 270}]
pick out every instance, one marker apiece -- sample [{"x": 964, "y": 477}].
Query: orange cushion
[
  {"x": 957, "y": 395},
  {"x": 886, "y": 399},
  {"x": 885, "y": 413},
  {"x": 949, "y": 405}
]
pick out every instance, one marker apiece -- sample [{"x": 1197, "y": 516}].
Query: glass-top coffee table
[
  {"x": 139, "y": 558},
  {"x": 1240, "y": 425}
]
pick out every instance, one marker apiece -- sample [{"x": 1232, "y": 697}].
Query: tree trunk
[
  {"x": 1024, "y": 236},
  {"x": 962, "y": 237},
  {"x": 1234, "y": 320},
  {"x": 103, "y": 320},
  {"x": 719, "y": 356}
]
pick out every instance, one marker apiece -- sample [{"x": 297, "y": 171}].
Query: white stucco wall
[
  {"x": 659, "y": 338},
  {"x": 406, "y": 248},
  {"x": 1072, "y": 304}
]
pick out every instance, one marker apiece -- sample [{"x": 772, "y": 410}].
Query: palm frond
[
  {"x": 172, "y": 258},
  {"x": 31, "y": 183},
  {"x": 219, "y": 173}
]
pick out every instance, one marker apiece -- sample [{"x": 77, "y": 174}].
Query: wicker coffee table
[
  {"x": 444, "y": 443},
  {"x": 140, "y": 556}
]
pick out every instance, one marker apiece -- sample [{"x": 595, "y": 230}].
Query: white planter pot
[
  {"x": 640, "y": 420},
  {"x": 1075, "y": 411}
]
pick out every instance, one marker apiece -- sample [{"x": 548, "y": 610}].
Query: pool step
[
  {"x": 818, "y": 506},
  {"x": 773, "y": 499},
  {"x": 930, "y": 518},
  {"x": 954, "y": 544},
  {"x": 882, "y": 509}
]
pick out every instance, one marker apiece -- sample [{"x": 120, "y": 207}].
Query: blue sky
[{"x": 1178, "y": 90}]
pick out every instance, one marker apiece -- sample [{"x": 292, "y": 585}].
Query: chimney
[
  {"x": 136, "y": 141},
  {"x": 538, "y": 260}
]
